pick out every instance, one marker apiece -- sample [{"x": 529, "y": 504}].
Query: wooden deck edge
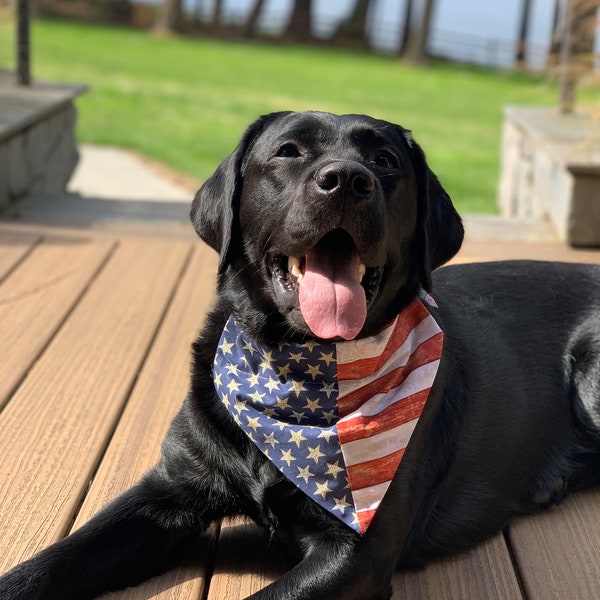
[{"x": 114, "y": 230}]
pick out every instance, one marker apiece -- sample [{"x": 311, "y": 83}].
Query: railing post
[{"x": 23, "y": 62}]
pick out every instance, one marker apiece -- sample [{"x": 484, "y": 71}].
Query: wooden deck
[{"x": 94, "y": 357}]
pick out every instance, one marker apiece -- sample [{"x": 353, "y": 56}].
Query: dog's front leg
[
  {"x": 140, "y": 534},
  {"x": 345, "y": 566}
]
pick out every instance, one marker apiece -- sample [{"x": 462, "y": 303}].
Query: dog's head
[{"x": 325, "y": 225}]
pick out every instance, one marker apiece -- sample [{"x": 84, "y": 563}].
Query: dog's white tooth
[
  {"x": 294, "y": 267},
  {"x": 293, "y": 261},
  {"x": 362, "y": 269}
]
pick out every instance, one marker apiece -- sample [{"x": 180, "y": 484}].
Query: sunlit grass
[{"x": 186, "y": 101}]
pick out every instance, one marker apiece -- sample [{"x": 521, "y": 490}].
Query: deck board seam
[
  {"x": 514, "y": 561},
  {"x": 21, "y": 259},
  {"x": 60, "y": 324}
]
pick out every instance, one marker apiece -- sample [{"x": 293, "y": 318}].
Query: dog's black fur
[{"x": 512, "y": 423}]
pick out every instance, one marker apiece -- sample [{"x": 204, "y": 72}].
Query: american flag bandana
[{"x": 334, "y": 418}]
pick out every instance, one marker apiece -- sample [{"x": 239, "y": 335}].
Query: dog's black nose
[{"x": 344, "y": 176}]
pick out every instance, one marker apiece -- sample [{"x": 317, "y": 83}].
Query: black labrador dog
[{"x": 328, "y": 230}]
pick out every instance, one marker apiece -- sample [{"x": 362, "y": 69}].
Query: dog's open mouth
[{"x": 330, "y": 284}]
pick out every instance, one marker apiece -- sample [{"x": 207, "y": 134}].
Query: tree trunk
[
  {"x": 252, "y": 20},
  {"x": 523, "y": 32},
  {"x": 577, "y": 48},
  {"x": 406, "y": 25},
  {"x": 299, "y": 27},
  {"x": 354, "y": 28},
  {"x": 217, "y": 10},
  {"x": 416, "y": 47},
  {"x": 168, "y": 16},
  {"x": 556, "y": 39}
]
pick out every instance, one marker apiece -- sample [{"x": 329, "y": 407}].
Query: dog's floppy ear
[
  {"x": 216, "y": 204},
  {"x": 440, "y": 230}
]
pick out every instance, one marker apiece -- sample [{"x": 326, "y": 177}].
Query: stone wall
[{"x": 38, "y": 150}]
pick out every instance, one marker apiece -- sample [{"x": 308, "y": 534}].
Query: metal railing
[{"x": 23, "y": 43}]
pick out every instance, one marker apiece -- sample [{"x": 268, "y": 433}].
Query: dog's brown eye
[
  {"x": 386, "y": 160},
  {"x": 288, "y": 151}
]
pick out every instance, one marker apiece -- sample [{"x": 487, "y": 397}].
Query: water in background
[
  {"x": 483, "y": 32},
  {"x": 474, "y": 31}
]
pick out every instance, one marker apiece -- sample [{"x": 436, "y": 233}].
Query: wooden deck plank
[
  {"x": 156, "y": 398},
  {"x": 475, "y": 251},
  {"x": 245, "y": 561},
  {"x": 13, "y": 247},
  {"x": 35, "y": 299},
  {"x": 62, "y": 415},
  {"x": 160, "y": 388},
  {"x": 558, "y": 551},
  {"x": 483, "y": 572}
]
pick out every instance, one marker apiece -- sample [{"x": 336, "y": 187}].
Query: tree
[
  {"x": 253, "y": 16},
  {"x": 418, "y": 38},
  {"x": 406, "y": 25},
  {"x": 577, "y": 54},
  {"x": 168, "y": 16},
  {"x": 217, "y": 11},
  {"x": 197, "y": 12},
  {"x": 556, "y": 39},
  {"x": 354, "y": 28},
  {"x": 523, "y": 31},
  {"x": 299, "y": 27}
]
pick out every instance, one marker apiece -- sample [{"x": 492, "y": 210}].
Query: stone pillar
[
  {"x": 551, "y": 170},
  {"x": 38, "y": 149}
]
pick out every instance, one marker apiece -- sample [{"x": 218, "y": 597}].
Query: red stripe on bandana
[
  {"x": 364, "y": 518},
  {"x": 352, "y": 398},
  {"x": 374, "y": 472},
  {"x": 384, "y": 345},
  {"x": 358, "y": 427}
]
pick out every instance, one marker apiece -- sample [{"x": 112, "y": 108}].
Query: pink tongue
[{"x": 332, "y": 301}]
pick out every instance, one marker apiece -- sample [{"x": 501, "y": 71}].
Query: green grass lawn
[{"x": 186, "y": 101}]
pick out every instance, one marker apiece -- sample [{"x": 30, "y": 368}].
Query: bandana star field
[{"x": 334, "y": 418}]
